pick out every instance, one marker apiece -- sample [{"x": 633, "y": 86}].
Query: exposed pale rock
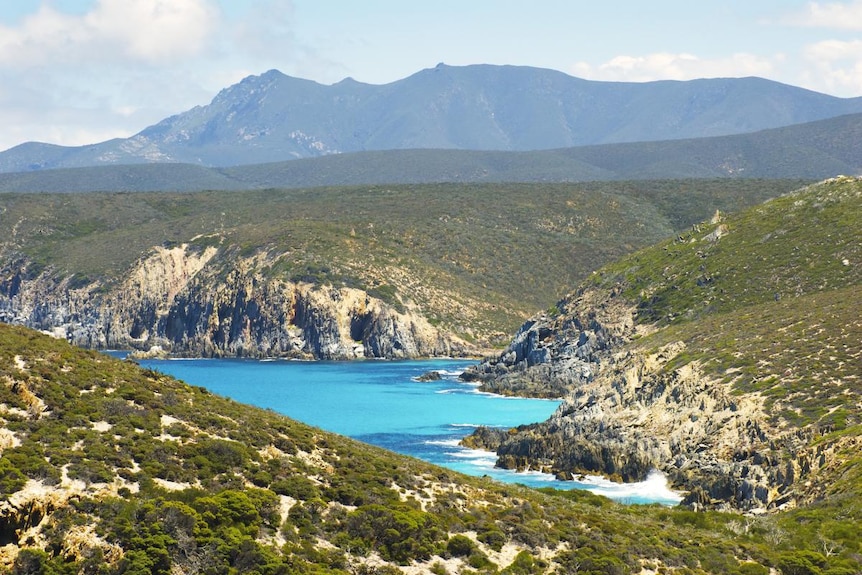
[
  {"x": 186, "y": 302},
  {"x": 101, "y": 426},
  {"x": 716, "y": 234},
  {"x": 80, "y": 541},
  {"x": 8, "y": 439}
]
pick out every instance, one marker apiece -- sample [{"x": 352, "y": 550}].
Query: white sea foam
[
  {"x": 475, "y": 457},
  {"x": 447, "y": 374},
  {"x": 653, "y": 489},
  {"x": 444, "y": 442},
  {"x": 513, "y": 397}
]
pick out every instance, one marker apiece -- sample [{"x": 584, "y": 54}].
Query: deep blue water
[{"x": 380, "y": 402}]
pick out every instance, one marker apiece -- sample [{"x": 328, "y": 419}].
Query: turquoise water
[{"x": 380, "y": 402}]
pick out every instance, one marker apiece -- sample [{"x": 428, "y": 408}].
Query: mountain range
[
  {"x": 273, "y": 117},
  {"x": 811, "y": 151}
]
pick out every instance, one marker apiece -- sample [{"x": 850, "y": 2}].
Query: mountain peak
[{"x": 476, "y": 107}]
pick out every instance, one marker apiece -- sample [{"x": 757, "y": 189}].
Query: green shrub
[
  {"x": 296, "y": 486},
  {"x": 801, "y": 563},
  {"x": 479, "y": 560},
  {"x": 90, "y": 471},
  {"x": 218, "y": 455},
  {"x": 460, "y": 546},
  {"x": 841, "y": 571},
  {"x": 749, "y": 568},
  {"x": 523, "y": 564},
  {"x": 11, "y": 479},
  {"x": 30, "y": 562},
  {"x": 400, "y": 534},
  {"x": 493, "y": 538},
  {"x": 229, "y": 508}
]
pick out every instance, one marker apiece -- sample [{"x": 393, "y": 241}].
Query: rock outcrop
[
  {"x": 628, "y": 410},
  {"x": 554, "y": 353},
  {"x": 190, "y": 302},
  {"x": 726, "y": 357}
]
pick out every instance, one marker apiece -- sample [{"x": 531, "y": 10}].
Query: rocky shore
[{"x": 627, "y": 411}]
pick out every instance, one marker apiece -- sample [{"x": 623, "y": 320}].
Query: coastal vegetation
[
  {"x": 768, "y": 303},
  {"x": 713, "y": 333},
  {"x": 110, "y": 468}
]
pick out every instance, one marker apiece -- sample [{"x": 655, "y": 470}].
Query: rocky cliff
[
  {"x": 193, "y": 302},
  {"x": 629, "y": 410},
  {"x": 704, "y": 358}
]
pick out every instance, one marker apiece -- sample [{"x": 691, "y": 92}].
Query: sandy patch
[
  {"x": 171, "y": 485},
  {"x": 101, "y": 426},
  {"x": 168, "y": 420}
]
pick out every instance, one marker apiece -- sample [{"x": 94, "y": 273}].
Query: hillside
[
  {"x": 728, "y": 357},
  {"x": 814, "y": 150},
  {"x": 383, "y": 271},
  {"x": 107, "y": 468},
  {"x": 273, "y": 117}
]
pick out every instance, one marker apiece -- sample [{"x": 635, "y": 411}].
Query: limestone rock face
[{"x": 186, "y": 302}]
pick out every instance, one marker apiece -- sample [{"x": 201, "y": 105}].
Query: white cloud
[
  {"x": 834, "y": 51},
  {"x": 155, "y": 30},
  {"x": 667, "y": 66},
  {"x": 148, "y": 31},
  {"x": 120, "y": 66},
  {"x": 837, "y": 15},
  {"x": 836, "y": 64}
]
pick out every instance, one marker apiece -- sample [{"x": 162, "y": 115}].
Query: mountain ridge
[
  {"x": 813, "y": 151},
  {"x": 274, "y": 117}
]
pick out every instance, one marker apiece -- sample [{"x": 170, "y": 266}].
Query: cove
[{"x": 382, "y": 403}]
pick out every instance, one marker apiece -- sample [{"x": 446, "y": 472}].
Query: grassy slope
[
  {"x": 476, "y": 258},
  {"x": 772, "y": 307},
  {"x": 113, "y": 437}
]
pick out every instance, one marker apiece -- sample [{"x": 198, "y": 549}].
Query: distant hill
[
  {"x": 814, "y": 150},
  {"x": 273, "y": 117}
]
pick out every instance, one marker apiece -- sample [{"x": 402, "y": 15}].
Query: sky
[{"x": 76, "y": 72}]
